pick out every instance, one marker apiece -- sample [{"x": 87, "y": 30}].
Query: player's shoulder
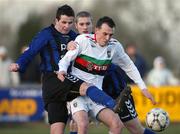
[
  {"x": 86, "y": 37},
  {"x": 43, "y": 34},
  {"x": 72, "y": 34},
  {"x": 114, "y": 41},
  {"x": 46, "y": 31}
]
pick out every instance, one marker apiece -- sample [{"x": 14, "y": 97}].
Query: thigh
[
  {"x": 53, "y": 89},
  {"x": 57, "y": 127},
  {"x": 78, "y": 104},
  {"x": 108, "y": 117},
  {"x": 128, "y": 111},
  {"x": 94, "y": 108},
  {"x": 76, "y": 84},
  {"x": 81, "y": 117},
  {"x": 57, "y": 112}
]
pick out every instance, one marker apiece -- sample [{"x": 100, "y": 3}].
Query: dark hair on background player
[{"x": 65, "y": 10}]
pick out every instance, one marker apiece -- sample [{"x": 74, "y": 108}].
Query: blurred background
[{"x": 151, "y": 26}]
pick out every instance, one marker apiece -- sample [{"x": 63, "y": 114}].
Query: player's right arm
[
  {"x": 37, "y": 43},
  {"x": 64, "y": 63},
  {"x": 71, "y": 45},
  {"x": 14, "y": 67},
  {"x": 70, "y": 56}
]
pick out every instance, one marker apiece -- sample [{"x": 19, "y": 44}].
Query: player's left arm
[{"x": 122, "y": 59}]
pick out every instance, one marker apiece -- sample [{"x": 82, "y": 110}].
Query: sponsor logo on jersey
[{"x": 90, "y": 66}]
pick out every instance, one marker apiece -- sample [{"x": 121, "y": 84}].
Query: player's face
[
  {"x": 84, "y": 25},
  {"x": 64, "y": 24},
  {"x": 104, "y": 34}
]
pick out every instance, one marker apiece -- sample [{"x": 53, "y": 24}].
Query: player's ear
[
  {"x": 96, "y": 29},
  {"x": 56, "y": 20},
  {"x": 75, "y": 25}
]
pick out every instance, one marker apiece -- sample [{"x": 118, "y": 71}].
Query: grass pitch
[{"x": 42, "y": 128}]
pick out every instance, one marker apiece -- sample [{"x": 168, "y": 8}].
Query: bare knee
[
  {"x": 116, "y": 125},
  {"x": 81, "y": 118},
  {"x": 57, "y": 128},
  {"x": 83, "y": 88},
  {"x": 83, "y": 125},
  {"x": 73, "y": 126}
]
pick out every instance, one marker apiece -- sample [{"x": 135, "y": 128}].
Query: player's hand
[
  {"x": 61, "y": 75},
  {"x": 149, "y": 96},
  {"x": 71, "y": 45},
  {"x": 14, "y": 67}
]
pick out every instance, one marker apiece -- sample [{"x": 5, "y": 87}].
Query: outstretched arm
[
  {"x": 123, "y": 60},
  {"x": 67, "y": 59},
  {"x": 148, "y": 95},
  {"x": 71, "y": 54},
  {"x": 71, "y": 45},
  {"x": 14, "y": 67},
  {"x": 64, "y": 63}
]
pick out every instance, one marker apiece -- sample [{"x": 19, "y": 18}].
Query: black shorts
[
  {"x": 57, "y": 112},
  {"x": 128, "y": 111},
  {"x": 56, "y": 93}
]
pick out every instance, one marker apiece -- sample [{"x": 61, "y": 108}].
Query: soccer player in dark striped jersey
[{"x": 51, "y": 43}]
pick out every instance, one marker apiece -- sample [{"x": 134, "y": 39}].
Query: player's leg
[
  {"x": 111, "y": 120},
  {"x": 57, "y": 116},
  {"x": 97, "y": 95},
  {"x": 72, "y": 124},
  {"x": 81, "y": 118},
  {"x": 79, "y": 111},
  {"x": 73, "y": 127},
  {"x": 126, "y": 93},
  {"x": 130, "y": 119},
  {"x": 54, "y": 101},
  {"x": 94, "y": 93},
  {"x": 135, "y": 127},
  {"x": 57, "y": 128},
  {"x": 95, "y": 114}
]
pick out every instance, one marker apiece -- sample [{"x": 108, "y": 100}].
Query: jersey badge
[{"x": 90, "y": 66}]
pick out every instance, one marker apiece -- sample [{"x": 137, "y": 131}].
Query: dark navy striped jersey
[
  {"x": 114, "y": 81},
  {"x": 51, "y": 45}
]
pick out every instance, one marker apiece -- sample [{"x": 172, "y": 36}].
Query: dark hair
[
  {"x": 82, "y": 14},
  {"x": 107, "y": 20},
  {"x": 64, "y": 10}
]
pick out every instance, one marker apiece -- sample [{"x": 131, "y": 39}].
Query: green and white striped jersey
[{"x": 90, "y": 60}]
